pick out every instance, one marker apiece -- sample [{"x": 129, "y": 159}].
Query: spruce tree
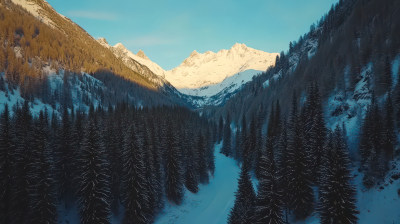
[
  {"x": 244, "y": 140},
  {"x": 299, "y": 184},
  {"x": 245, "y": 196},
  {"x": 227, "y": 145},
  {"x": 191, "y": 172},
  {"x": 337, "y": 201},
  {"x": 64, "y": 161},
  {"x": 42, "y": 188},
  {"x": 389, "y": 136},
  {"x": 135, "y": 190},
  {"x": 94, "y": 185},
  {"x": 7, "y": 147},
  {"x": 20, "y": 200},
  {"x": 238, "y": 142},
  {"x": 173, "y": 178},
  {"x": 268, "y": 206},
  {"x": 220, "y": 128},
  {"x": 202, "y": 164}
]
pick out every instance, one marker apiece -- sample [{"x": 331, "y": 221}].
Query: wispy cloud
[{"x": 95, "y": 15}]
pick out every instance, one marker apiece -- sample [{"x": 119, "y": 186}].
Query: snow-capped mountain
[
  {"x": 204, "y": 69},
  {"x": 209, "y": 78},
  {"x": 137, "y": 62}
]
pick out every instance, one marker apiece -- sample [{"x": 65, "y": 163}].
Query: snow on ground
[
  {"x": 213, "y": 202},
  {"x": 232, "y": 83},
  {"x": 379, "y": 205}
]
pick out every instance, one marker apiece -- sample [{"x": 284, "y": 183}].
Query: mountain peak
[
  {"x": 120, "y": 46},
  {"x": 238, "y": 46},
  {"x": 141, "y": 54},
  {"x": 103, "y": 41},
  {"x": 194, "y": 53}
]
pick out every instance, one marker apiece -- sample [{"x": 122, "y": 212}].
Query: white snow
[
  {"x": 212, "y": 204},
  {"x": 142, "y": 59},
  {"x": 232, "y": 83},
  {"x": 203, "y": 69},
  {"x": 37, "y": 11}
]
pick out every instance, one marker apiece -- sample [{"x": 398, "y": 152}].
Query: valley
[{"x": 91, "y": 132}]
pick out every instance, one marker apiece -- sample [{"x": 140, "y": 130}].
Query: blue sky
[{"x": 168, "y": 31}]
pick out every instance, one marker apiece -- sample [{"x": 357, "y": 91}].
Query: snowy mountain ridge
[
  {"x": 40, "y": 10},
  {"x": 207, "y": 78},
  {"x": 204, "y": 69},
  {"x": 137, "y": 62}
]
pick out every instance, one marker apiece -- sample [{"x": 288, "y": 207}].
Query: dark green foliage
[
  {"x": 20, "y": 198},
  {"x": 227, "y": 139},
  {"x": 174, "y": 179},
  {"x": 268, "y": 206},
  {"x": 65, "y": 162},
  {"x": 135, "y": 186},
  {"x": 94, "y": 185},
  {"x": 376, "y": 143},
  {"x": 314, "y": 130},
  {"x": 337, "y": 201},
  {"x": 6, "y": 159},
  {"x": 42, "y": 187},
  {"x": 242, "y": 210},
  {"x": 301, "y": 197}
]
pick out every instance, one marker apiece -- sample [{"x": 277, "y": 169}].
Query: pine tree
[
  {"x": 220, "y": 129},
  {"x": 242, "y": 210},
  {"x": 94, "y": 186},
  {"x": 238, "y": 143},
  {"x": 315, "y": 130},
  {"x": 202, "y": 164},
  {"x": 250, "y": 155},
  {"x": 227, "y": 146},
  {"x": 20, "y": 200},
  {"x": 299, "y": 185},
  {"x": 389, "y": 137},
  {"x": 135, "y": 193},
  {"x": 337, "y": 195},
  {"x": 268, "y": 208},
  {"x": 7, "y": 147},
  {"x": 42, "y": 188},
  {"x": 244, "y": 141},
  {"x": 64, "y": 160},
  {"x": 173, "y": 178},
  {"x": 191, "y": 172},
  {"x": 283, "y": 168}
]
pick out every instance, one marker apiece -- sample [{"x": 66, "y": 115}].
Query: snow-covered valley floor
[{"x": 213, "y": 202}]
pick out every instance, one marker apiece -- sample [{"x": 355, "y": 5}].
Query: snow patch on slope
[{"x": 37, "y": 11}]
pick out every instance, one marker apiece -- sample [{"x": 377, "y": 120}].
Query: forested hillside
[
  {"x": 117, "y": 163},
  {"x": 34, "y": 49},
  {"x": 327, "y": 113}
]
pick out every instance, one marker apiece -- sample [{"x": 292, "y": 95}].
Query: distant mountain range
[{"x": 207, "y": 78}]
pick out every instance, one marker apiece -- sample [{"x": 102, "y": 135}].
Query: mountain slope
[
  {"x": 206, "y": 79},
  {"x": 218, "y": 94},
  {"x": 139, "y": 63},
  {"x": 199, "y": 70},
  {"x": 38, "y": 38}
]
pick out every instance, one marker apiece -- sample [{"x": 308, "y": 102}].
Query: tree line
[
  {"x": 118, "y": 161},
  {"x": 301, "y": 166}
]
